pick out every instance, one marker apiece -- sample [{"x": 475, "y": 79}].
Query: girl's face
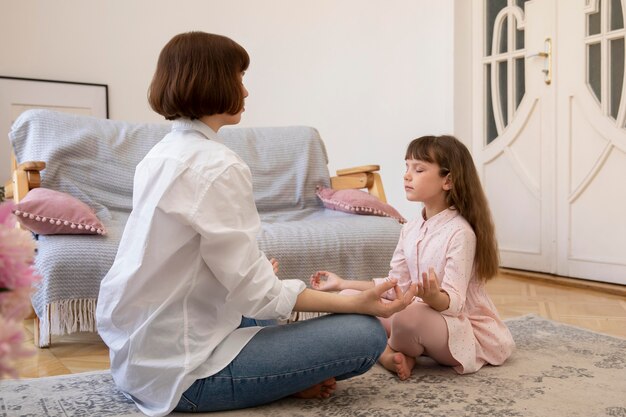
[{"x": 422, "y": 183}]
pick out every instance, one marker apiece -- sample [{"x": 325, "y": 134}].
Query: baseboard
[{"x": 604, "y": 287}]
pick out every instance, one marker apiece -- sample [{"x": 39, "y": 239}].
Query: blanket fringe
[
  {"x": 301, "y": 316},
  {"x": 67, "y": 316}
]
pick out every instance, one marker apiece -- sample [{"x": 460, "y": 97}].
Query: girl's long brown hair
[{"x": 466, "y": 194}]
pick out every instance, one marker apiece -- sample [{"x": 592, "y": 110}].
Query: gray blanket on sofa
[{"x": 94, "y": 160}]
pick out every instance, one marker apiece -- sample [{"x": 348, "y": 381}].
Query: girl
[
  {"x": 188, "y": 268},
  {"x": 448, "y": 252}
]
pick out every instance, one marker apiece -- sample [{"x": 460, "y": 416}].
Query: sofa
[{"x": 93, "y": 160}]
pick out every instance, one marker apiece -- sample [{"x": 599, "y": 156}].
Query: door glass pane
[
  {"x": 617, "y": 17},
  {"x": 502, "y": 86},
  {"x": 519, "y": 34},
  {"x": 503, "y": 47},
  {"x": 617, "y": 74},
  {"x": 593, "y": 69},
  {"x": 493, "y": 7},
  {"x": 520, "y": 82},
  {"x": 593, "y": 21},
  {"x": 491, "y": 131}
]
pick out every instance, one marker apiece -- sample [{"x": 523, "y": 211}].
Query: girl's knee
[
  {"x": 408, "y": 320},
  {"x": 413, "y": 316},
  {"x": 407, "y": 328}
]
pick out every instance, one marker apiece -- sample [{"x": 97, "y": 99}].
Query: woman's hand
[
  {"x": 274, "y": 263},
  {"x": 373, "y": 304},
  {"x": 366, "y": 301},
  {"x": 332, "y": 282},
  {"x": 431, "y": 293}
]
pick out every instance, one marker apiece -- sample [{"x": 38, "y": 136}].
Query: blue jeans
[{"x": 281, "y": 360}]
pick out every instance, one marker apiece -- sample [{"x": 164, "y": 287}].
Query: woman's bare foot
[
  {"x": 322, "y": 390},
  {"x": 397, "y": 362}
]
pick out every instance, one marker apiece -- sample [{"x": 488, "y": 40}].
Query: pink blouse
[{"x": 447, "y": 243}]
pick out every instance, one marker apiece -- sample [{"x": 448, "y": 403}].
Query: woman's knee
[{"x": 364, "y": 331}]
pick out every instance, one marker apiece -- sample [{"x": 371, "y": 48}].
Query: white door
[
  {"x": 549, "y": 136},
  {"x": 514, "y": 129},
  {"x": 591, "y": 137}
]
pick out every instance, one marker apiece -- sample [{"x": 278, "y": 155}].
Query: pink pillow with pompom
[
  {"x": 50, "y": 212},
  {"x": 357, "y": 202}
]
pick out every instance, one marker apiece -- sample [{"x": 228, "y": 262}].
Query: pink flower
[
  {"x": 11, "y": 346},
  {"x": 15, "y": 304},
  {"x": 17, "y": 252},
  {"x": 6, "y": 211}
]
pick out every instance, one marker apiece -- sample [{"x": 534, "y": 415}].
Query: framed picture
[{"x": 20, "y": 94}]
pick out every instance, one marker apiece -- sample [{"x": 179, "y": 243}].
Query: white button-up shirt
[{"x": 187, "y": 269}]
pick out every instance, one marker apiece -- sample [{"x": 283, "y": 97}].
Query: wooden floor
[{"x": 601, "y": 310}]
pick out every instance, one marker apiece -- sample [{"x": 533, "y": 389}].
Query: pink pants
[{"x": 418, "y": 330}]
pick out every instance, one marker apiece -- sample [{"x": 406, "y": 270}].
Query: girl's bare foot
[
  {"x": 397, "y": 362},
  {"x": 322, "y": 390},
  {"x": 404, "y": 365}
]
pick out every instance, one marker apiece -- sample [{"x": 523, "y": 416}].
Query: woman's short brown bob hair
[{"x": 198, "y": 74}]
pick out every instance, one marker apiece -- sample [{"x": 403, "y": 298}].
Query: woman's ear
[{"x": 447, "y": 183}]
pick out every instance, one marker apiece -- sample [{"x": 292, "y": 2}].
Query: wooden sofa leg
[
  {"x": 37, "y": 329},
  {"x": 36, "y": 338}
]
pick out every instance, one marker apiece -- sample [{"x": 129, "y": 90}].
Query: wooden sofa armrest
[
  {"x": 365, "y": 176},
  {"x": 24, "y": 178}
]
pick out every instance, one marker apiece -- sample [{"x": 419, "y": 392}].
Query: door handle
[{"x": 547, "y": 55}]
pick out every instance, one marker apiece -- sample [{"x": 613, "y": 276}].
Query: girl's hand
[
  {"x": 375, "y": 306},
  {"x": 333, "y": 282},
  {"x": 431, "y": 293},
  {"x": 274, "y": 263}
]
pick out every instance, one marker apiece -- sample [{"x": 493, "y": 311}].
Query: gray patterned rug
[{"x": 557, "y": 370}]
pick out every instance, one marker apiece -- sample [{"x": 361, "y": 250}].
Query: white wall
[
  {"x": 463, "y": 72},
  {"x": 369, "y": 75}
]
